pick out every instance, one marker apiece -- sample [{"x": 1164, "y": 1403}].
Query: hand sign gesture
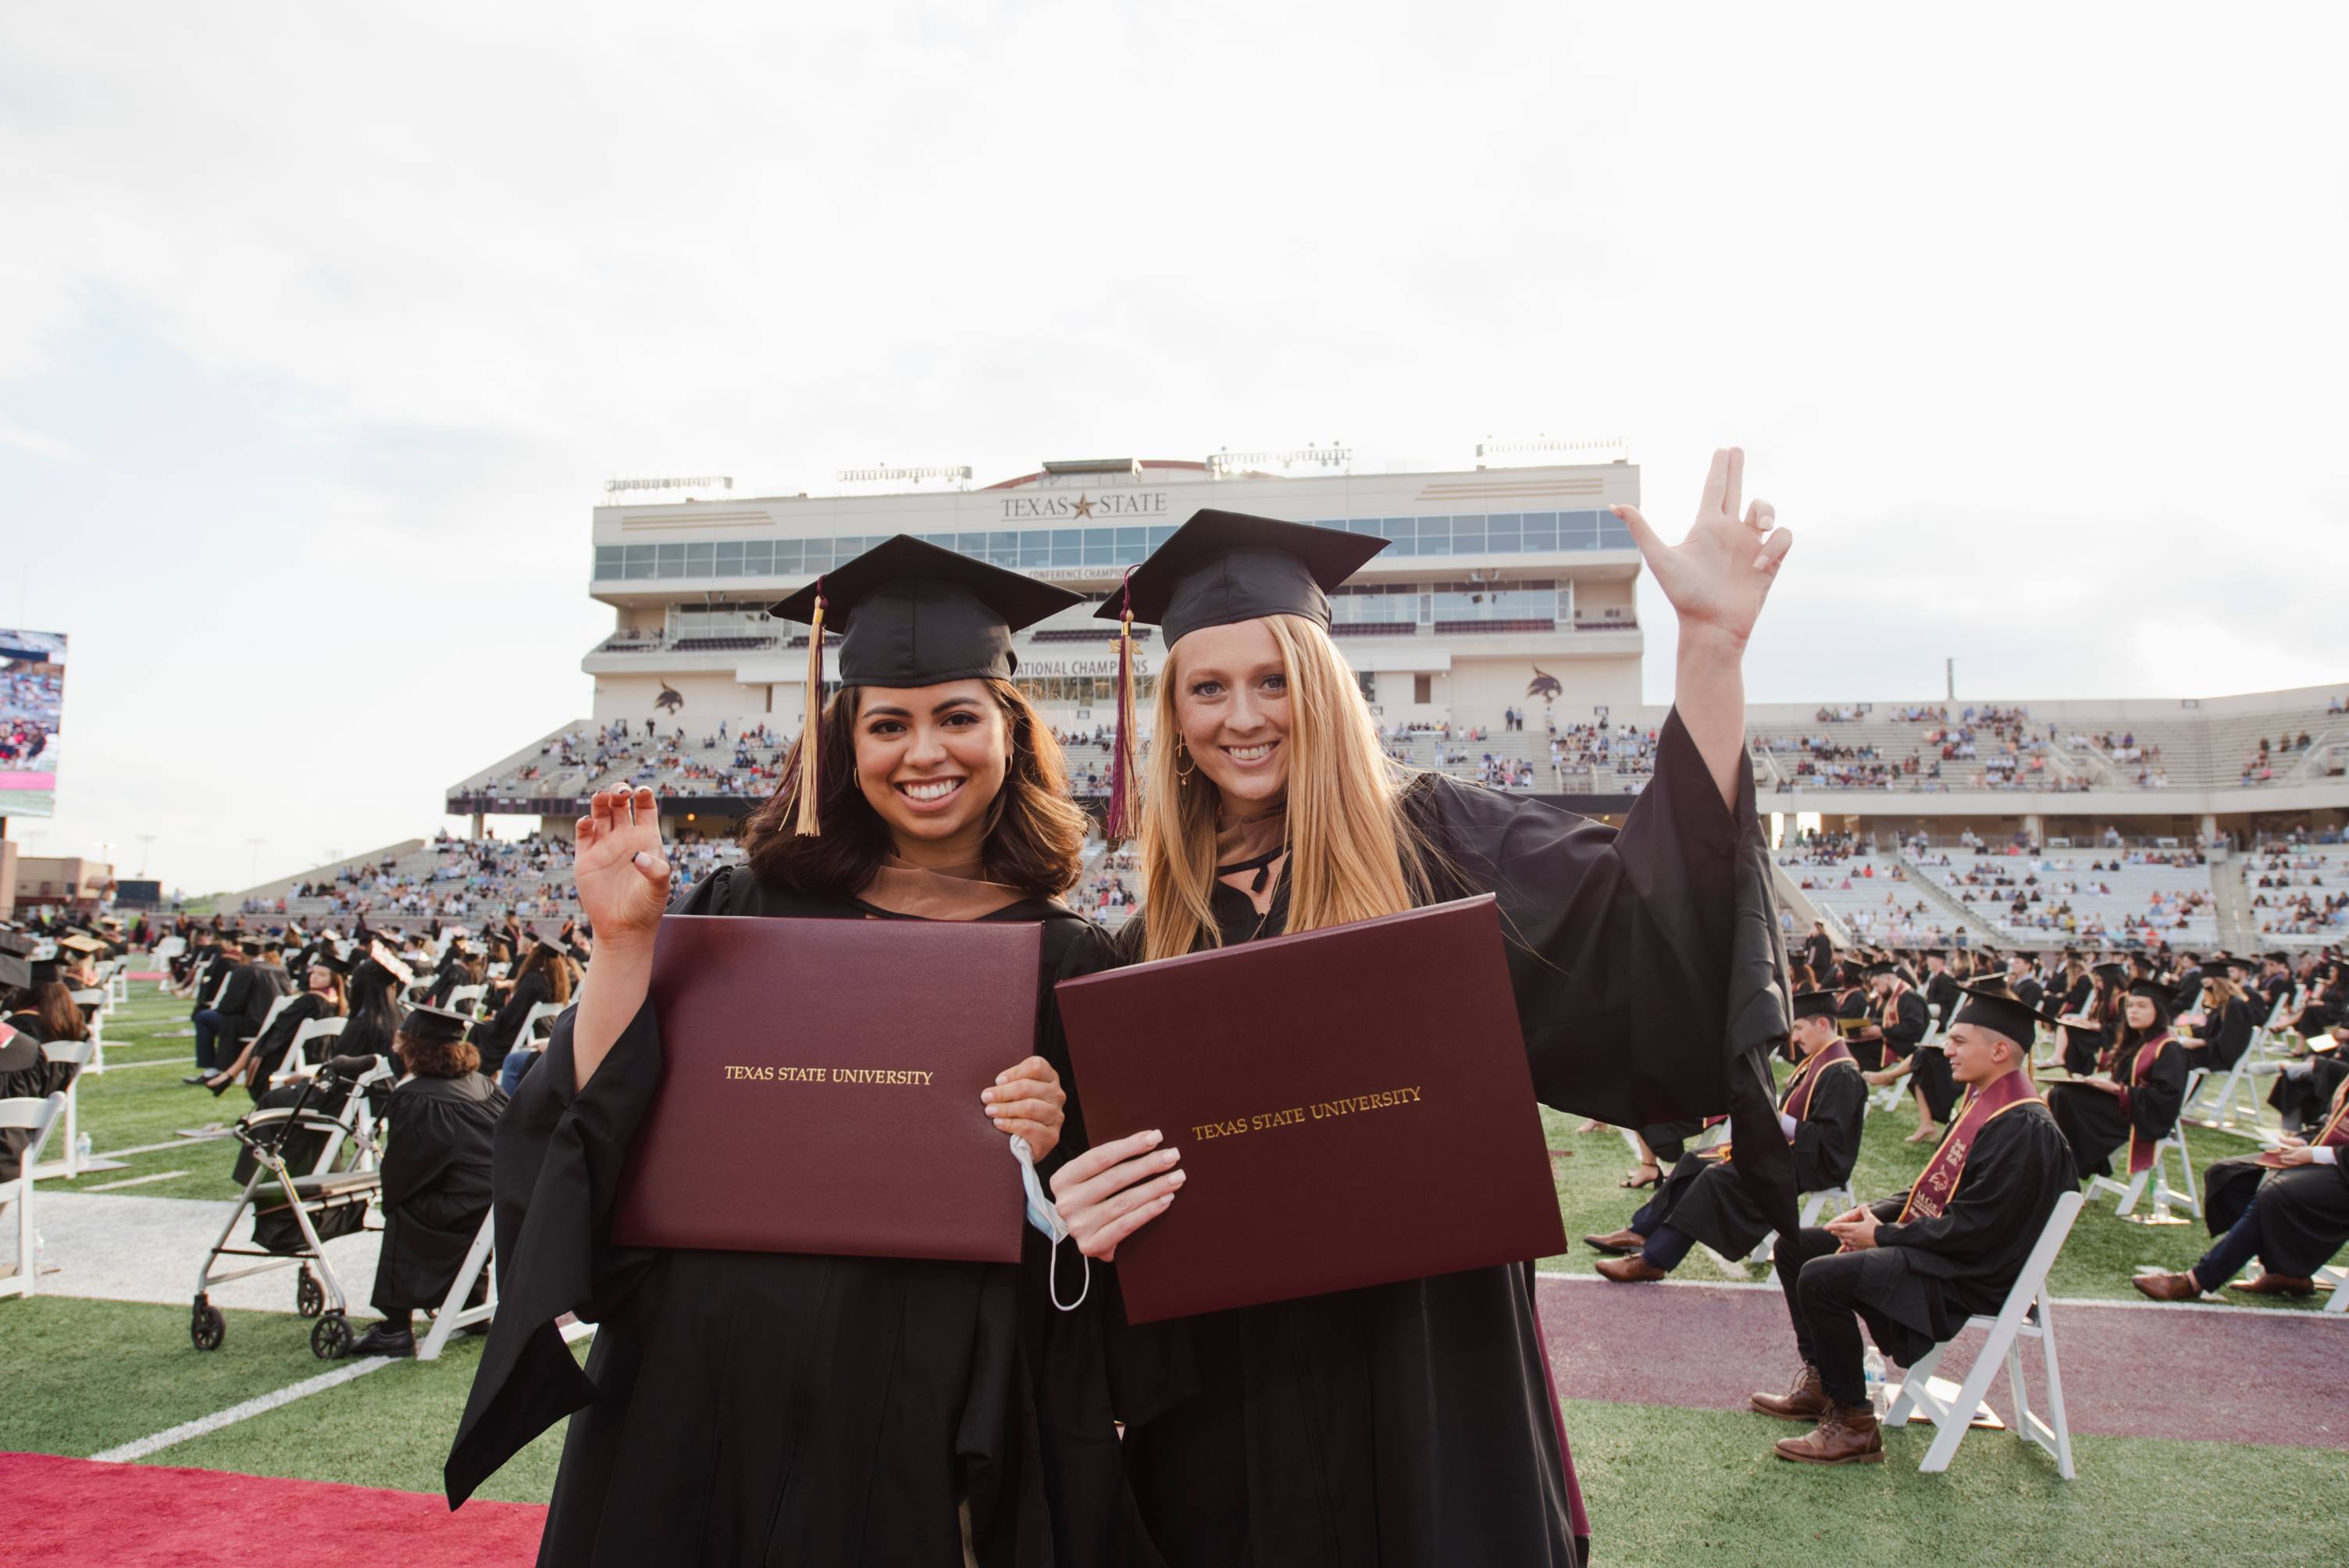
[
  {"x": 622, "y": 875},
  {"x": 1718, "y": 576}
]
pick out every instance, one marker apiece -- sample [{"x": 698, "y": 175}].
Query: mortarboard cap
[
  {"x": 1815, "y": 1004},
  {"x": 16, "y": 975},
  {"x": 1224, "y": 567},
  {"x": 1993, "y": 1006},
  {"x": 42, "y": 972},
  {"x": 326, "y": 958},
  {"x": 433, "y": 1026}
]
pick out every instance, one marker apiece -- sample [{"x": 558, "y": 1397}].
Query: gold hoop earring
[{"x": 1182, "y": 755}]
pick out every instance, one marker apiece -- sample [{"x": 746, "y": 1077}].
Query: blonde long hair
[{"x": 1353, "y": 852}]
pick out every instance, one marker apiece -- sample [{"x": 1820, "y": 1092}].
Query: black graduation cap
[
  {"x": 326, "y": 958},
  {"x": 16, "y": 975},
  {"x": 1995, "y": 1007},
  {"x": 42, "y": 971},
  {"x": 1223, "y": 567},
  {"x": 434, "y": 1025},
  {"x": 2110, "y": 971},
  {"x": 1815, "y": 1004},
  {"x": 910, "y": 614},
  {"x": 1880, "y": 967},
  {"x": 2151, "y": 988}
]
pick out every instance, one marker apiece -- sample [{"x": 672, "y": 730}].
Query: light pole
[
  {"x": 253, "y": 860},
  {"x": 145, "y": 842}
]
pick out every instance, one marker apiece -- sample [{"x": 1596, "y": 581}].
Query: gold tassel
[
  {"x": 808, "y": 823},
  {"x": 1121, "y": 821}
]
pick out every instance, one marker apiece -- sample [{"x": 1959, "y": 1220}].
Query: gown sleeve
[
  {"x": 556, "y": 1163},
  {"x": 1647, "y": 963},
  {"x": 1826, "y": 1141},
  {"x": 2155, "y": 1102}
]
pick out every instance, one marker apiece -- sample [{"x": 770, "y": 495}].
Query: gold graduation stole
[
  {"x": 1931, "y": 1195},
  {"x": 2140, "y": 1151},
  {"x": 2336, "y": 1129}
]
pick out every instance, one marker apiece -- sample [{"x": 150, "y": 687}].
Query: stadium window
[
  {"x": 972, "y": 544},
  {"x": 1434, "y": 536},
  {"x": 669, "y": 561},
  {"x": 1068, "y": 547},
  {"x": 815, "y": 555},
  {"x": 1501, "y": 533},
  {"x": 1003, "y": 548},
  {"x": 609, "y": 561},
  {"x": 1540, "y": 531},
  {"x": 1578, "y": 531},
  {"x": 1467, "y": 536},
  {"x": 639, "y": 562},
  {"x": 1159, "y": 533},
  {"x": 1100, "y": 547},
  {"x": 789, "y": 553},
  {"x": 1613, "y": 533},
  {"x": 730, "y": 558},
  {"x": 1132, "y": 544},
  {"x": 1035, "y": 546},
  {"x": 1422, "y": 688},
  {"x": 700, "y": 560},
  {"x": 758, "y": 557},
  {"x": 1403, "y": 531},
  {"x": 1369, "y": 683}
]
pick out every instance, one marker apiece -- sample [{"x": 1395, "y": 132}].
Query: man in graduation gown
[
  {"x": 1706, "y": 1200},
  {"x": 218, "y": 999},
  {"x": 2288, "y": 1208},
  {"x": 2021, "y": 978},
  {"x": 1915, "y": 1267},
  {"x": 436, "y": 1174},
  {"x": 1900, "y": 1025}
]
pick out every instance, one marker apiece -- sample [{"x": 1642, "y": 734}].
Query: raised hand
[
  {"x": 618, "y": 867},
  {"x": 1719, "y": 575}
]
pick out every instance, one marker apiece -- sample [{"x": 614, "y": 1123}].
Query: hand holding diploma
[
  {"x": 1107, "y": 1193},
  {"x": 1028, "y": 1102}
]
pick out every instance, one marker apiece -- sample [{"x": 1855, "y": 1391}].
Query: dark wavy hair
[
  {"x": 1035, "y": 836},
  {"x": 441, "y": 1059}
]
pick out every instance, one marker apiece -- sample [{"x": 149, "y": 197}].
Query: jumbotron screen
[{"x": 32, "y": 708}]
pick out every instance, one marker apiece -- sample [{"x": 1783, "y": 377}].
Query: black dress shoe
[
  {"x": 196, "y": 1077},
  {"x": 385, "y": 1340}
]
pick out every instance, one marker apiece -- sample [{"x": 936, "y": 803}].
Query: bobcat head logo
[
  {"x": 670, "y": 699},
  {"x": 1543, "y": 686}
]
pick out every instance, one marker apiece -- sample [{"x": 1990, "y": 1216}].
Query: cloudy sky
[{"x": 321, "y": 326}]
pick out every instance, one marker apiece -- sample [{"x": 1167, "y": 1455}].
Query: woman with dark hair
[
  {"x": 38, "y": 1008},
  {"x": 543, "y": 976},
  {"x": 2137, "y": 1104},
  {"x": 2088, "y": 1043},
  {"x": 322, "y": 998},
  {"x": 1415, "y": 1424},
  {"x": 436, "y": 1173},
  {"x": 843, "y": 1409}
]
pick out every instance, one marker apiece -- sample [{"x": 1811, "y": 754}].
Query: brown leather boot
[
  {"x": 2169, "y": 1286},
  {"x": 1806, "y": 1401},
  {"x": 1616, "y": 1241},
  {"x": 2272, "y": 1285},
  {"x": 1846, "y": 1435},
  {"x": 1633, "y": 1270}
]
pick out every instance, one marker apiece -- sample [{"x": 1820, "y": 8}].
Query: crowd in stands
[{"x": 2290, "y": 896}]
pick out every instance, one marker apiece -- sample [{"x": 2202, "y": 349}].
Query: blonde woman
[{"x": 1413, "y": 1423}]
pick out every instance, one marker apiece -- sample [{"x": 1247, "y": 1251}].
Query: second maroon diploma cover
[
  {"x": 1353, "y": 1107},
  {"x": 820, "y": 1087}
]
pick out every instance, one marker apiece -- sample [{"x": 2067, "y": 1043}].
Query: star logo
[{"x": 1083, "y": 508}]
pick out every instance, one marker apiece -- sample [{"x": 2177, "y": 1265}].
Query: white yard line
[
  {"x": 2063, "y": 1301},
  {"x": 172, "y": 1436},
  {"x": 174, "y": 1143},
  {"x": 132, "y": 1182}
]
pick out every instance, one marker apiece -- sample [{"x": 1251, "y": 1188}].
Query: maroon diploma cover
[
  {"x": 820, "y": 1083},
  {"x": 1353, "y": 1107}
]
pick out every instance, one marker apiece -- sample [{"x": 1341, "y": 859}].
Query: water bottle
[
  {"x": 81, "y": 1150},
  {"x": 1871, "y": 1367}
]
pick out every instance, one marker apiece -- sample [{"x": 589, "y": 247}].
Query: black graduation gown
[
  {"x": 1414, "y": 1424},
  {"x": 452, "y": 973},
  {"x": 2301, "y": 1097},
  {"x": 2303, "y": 1212},
  {"x": 26, "y": 1074},
  {"x": 1941, "y": 991},
  {"x": 1709, "y": 1200},
  {"x": 834, "y": 1410},
  {"x": 496, "y": 1037},
  {"x": 1819, "y": 950},
  {"x": 2091, "y": 1118},
  {"x": 2028, "y": 991},
  {"x": 2226, "y": 1036},
  {"x": 2084, "y": 1049},
  {"x": 436, "y": 1185},
  {"x": 270, "y": 1052},
  {"x": 1922, "y": 1279},
  {"x": 1852, "y": 1004}
]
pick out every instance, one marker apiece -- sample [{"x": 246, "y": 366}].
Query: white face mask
[{"x": 1046, "y": 1218}]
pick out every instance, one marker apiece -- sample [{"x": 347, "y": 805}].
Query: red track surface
[
  {"x": 2152, "y": 1372},
  {"x": 135, "y": 1516}
]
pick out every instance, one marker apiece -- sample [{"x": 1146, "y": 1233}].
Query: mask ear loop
[{"x": 1045, "y": 1216}]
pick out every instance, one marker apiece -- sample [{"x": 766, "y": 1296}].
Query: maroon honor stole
[
  {"x": 1797, "y": 1103},
  {"x": 2141, "y": 1153},
  {"x": 1931, "y": 1195}
]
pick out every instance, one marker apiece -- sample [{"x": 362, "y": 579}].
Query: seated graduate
[
  {"x": 2227, "y": 1019},
  {"x": 1414, "y": 1423},
  {"x": 436, "y": 1173},
  {"x": 1705, "y": 1200},
  {"x": 1899, "y": 1027},
  {"x": 543, "y": 976},
  {"x": 37, "y": 1009},
  {"x": 460, "y": 966},
  {"x": 2092, "y": 1032},
  {"x": 2138, "y": 1104},
  {"x": 1915, "y": 1267},
  {"x": 838, "y": 1410},
  {"x": 265, "y": 1054},
  {"x": 2288, "y": 1209},
  {"x": 215, "y": 985},
  {"x": 251, "y": 991}
]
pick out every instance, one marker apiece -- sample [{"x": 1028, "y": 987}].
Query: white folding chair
[
  {"x": 39, "y": 1115},
  {"x": 95, "y": 999},
  {"x": 2238, "y": 1082},
  {"x": 78, "y": 1053},
  {"x": 2024, "y": 1315},
  {"x": 2156, "y": 1176},
  {"x": 2338, "y": 1278},
  {"x": 453, "y": 1314},
  {"x": 298, "y": 1062},
  {"x": 465, "y": 997}
]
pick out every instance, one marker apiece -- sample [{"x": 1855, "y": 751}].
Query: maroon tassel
[{"x": 1123, "y": 819}]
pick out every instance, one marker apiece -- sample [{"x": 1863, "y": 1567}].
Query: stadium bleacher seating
[{"x": 2107, "y": 898}]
